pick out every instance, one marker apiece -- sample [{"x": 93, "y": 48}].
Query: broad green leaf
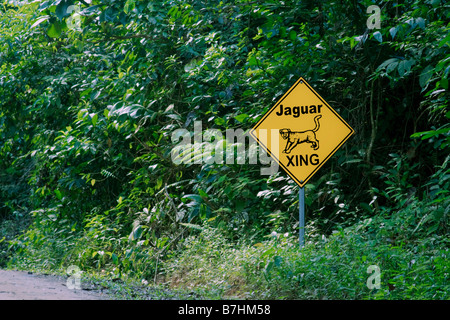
[
  {"x": 388, "y": 62},
  {"x": 277, "y": 261},
  {"x": 136, "y": 233},
  {"x": 61, "y": 8},
  {"x": 252, "y": 61},
  {"x": 94, "y": 119},
  {"x": 292, "y": 35},
  {"x": 40, "y": 20},
  {"x": 445, "y": 41},
  {"x": 269, "y": 267},
  {"x": 129, "y": 6},
  {"x": 44, "y": 5},
  {"x": 378, "y": 36},
  {"x": 441, "y": 65},
  {"x": 393, "y": 32},
  {"x": 404, "y": 67},
  {"x": 95, "y": 94},
  {"x": 219, "y": 121},
  {"x": 353, "y": 42},
  {"x": 194, "y": 197},
  {"x": 79, "y": 45},
  {"x": 241, "y": 117},
  {"x": 58, "y": 194},
  {"x": 432, "y": 133},
  {"x": 420, "y": 22},
  {"x": 54, "y": 31},
  {"x": 392, "y": 66},
  {"x": 425, "y": 76},
  {"x": 202, "y": 193},
  {"x": 115, "y": 258}
]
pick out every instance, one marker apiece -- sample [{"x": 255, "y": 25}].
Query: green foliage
[
  {"x": 92, "y": 92},
  {"x": 334, "y": 267}
]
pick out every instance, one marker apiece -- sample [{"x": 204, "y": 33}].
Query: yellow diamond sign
[{"x": 301, "y": 132}]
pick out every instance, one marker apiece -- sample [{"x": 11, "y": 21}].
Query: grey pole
[{"x": 301, "y": 221}]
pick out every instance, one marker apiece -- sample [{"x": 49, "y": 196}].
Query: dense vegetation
[{"x": 91, "y": 92}]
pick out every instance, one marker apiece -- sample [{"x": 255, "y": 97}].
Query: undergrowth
[
  {"x": 337, "y": 267},
  {"x": 409, "y": 245}
]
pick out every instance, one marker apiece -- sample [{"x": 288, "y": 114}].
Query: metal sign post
[
  {"x": 309, "y": 131},
  {"x": 301, "y": 220}
]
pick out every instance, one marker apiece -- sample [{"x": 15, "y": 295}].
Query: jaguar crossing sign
[{"x": 310, "y": 132}]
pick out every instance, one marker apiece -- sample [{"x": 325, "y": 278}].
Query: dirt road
[{"x": 19, "y": 285}]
